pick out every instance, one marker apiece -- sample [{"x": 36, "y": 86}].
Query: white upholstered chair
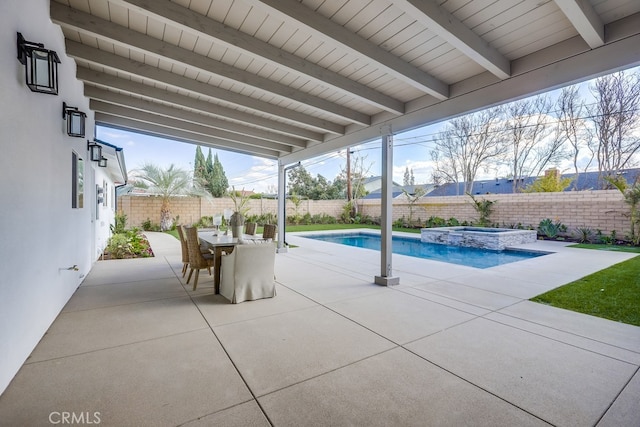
[{"x": 247, "y": 273}]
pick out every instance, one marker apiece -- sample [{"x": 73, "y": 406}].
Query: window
[{"x": 77, "y": 181}]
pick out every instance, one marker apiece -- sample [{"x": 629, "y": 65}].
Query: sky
[
  {"x": 261, "y": 175},
  {"x": 411, "y": 150}
]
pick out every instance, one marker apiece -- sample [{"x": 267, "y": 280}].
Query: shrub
[
  {"x": 453, "y": 222},
  {"x": 435, "y": 221},
  {"x": 607, "y": 240},
  {"x": 484, "y": 208},
  {"x": 584, "y": 234},
  {"x": 119, "y": 246},
  {"x": 120, "y": 222},
  {"x": 551, "y": 229}
]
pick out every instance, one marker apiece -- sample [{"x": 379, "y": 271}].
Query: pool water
[{"x": 471, "y": 257}]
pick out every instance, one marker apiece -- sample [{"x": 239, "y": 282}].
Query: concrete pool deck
[{"x": 451, "y": 345}]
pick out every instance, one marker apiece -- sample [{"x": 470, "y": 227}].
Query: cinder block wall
[
  {"x": 604, "y": 209},
  {"x": 139, "y": 208}
]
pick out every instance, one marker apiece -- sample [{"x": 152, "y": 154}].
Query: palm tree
[{"x": 166, "y": 183}]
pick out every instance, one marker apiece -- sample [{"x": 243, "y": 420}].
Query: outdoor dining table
[{"x": 219, "y": 244}]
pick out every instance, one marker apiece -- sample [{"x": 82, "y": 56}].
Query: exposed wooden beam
[
  {"x": 181, "y": 114},
  {"x": 143, "y": 116},
  {"x": 535, "y": 73},
  {"x": 147, "y": 72},
  {"x": 123, "y": 123},
  {"x": 130, "y": 39},
  {"x": 328, "y": 30},
  {"x": 449, "y": 28},
  {"x": 191, "y": 21},
  {"x": 585, "y": 20}
]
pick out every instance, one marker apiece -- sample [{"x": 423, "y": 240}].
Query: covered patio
[
  {"x": 126, "y": 343},
  {"x": 451, "y": 345}
]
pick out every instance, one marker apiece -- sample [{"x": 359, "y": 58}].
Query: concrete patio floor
[{"x": 451, "y": 345}]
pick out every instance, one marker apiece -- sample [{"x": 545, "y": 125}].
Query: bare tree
[
  {"x": 533, "y": 142},
  {"x": 616, "y": 118},
  {"x": 357, "y": 173},
  {"x": 573, "y": 128},
  {"x": 465, "y": 145}
]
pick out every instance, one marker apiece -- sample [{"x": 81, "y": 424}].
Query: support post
[
  {"x": 282, "y": 214},
  {"x": 386, "y": 215}
]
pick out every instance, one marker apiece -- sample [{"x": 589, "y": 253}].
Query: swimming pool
[{"x": 471, "y": 257}]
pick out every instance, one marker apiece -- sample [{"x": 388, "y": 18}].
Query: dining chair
[
  {"x": 197, "y": 260},
  {"x": 250, "y": 228},
  {"x": 248, "y": 272},
  {"x": 269, "y": 231},
  {"x": 185, "y": 250}
]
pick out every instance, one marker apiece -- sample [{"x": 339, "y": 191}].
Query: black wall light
[
  {"x": 40, "y": 66},
  {"x": 95, "y": 151},
  {"x": 103, "y": 162},
  {"x": 75, "y": 120}
]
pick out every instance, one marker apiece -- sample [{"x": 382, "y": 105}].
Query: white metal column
[
  {"x": 282, "y": 213},
  {"x": 386, "y": 214}
]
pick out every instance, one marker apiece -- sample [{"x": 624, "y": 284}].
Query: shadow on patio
[{"x": 451, "y": 345}]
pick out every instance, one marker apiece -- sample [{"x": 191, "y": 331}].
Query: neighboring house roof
[
  {"x": 398, "y": 191},
  {"x": 586, "y": 181}
]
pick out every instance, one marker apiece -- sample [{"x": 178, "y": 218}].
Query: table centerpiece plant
[{"x": 239, "y": 199}]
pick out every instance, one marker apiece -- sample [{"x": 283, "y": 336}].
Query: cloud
[
  {"x": 422, "y": 171},
  {"x": 259, "y": 177}
]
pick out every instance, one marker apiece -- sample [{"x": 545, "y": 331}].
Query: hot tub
[{"x": 478, "y": 237}]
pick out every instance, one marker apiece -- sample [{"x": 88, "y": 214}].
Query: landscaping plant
[
  {"x": 551, "y": 229},
  {"x": 484, "y": 208}
]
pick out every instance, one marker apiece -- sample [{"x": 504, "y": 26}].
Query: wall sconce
[
  {"x": 40, "y": 66},
  {"x": 75, "y": 120},
  {"x": 103, "y": 162},
  {"x": 95, "y": 151}
]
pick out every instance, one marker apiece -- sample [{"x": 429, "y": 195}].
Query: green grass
[
  {"x": 602, "y": 247},
  {"x": 612, "y": 293}
]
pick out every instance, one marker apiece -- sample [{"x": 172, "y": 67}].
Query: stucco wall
[
  {"x": 41, "y": 234},
  {"x": 603, "y": 210}
]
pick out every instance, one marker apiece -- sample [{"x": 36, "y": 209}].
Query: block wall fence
[{"x": 599, "y": 210}]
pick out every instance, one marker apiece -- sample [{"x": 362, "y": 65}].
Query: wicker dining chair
[
  {"x": 197, "y": 260},
  {"x": 185, "y": 250},
  {"x": 250, "y": 228},
  {"x": 269, "y": 231}
]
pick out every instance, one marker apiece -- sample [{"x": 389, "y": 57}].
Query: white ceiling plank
[
  {"x": 585, "y": 19},
  {"x": 449, "y": 28},
  {"x": 186, "y": 19},
  {"x": 176, "y": 123},
  {"x": 334, "y": 32},
  {"x": 192, "y": 116},
  {"x": 83, "y": 22},
  {"x": 536, "y": 73},
  {"x": 157, "y": 130},
  {"x": 155, "y": 74}
]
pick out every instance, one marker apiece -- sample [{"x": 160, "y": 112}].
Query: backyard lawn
[{"x": 612, "y": 293}]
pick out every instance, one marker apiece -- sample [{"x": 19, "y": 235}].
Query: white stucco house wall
[{"x": 42, "y": 235}]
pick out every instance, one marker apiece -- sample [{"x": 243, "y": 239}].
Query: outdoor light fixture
[
  {"x": 95, "y": 151},
  {"x": 40, "y": 66},
  {"x": 75, "y": 120},
  {"x": 103, "y": 162}
]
